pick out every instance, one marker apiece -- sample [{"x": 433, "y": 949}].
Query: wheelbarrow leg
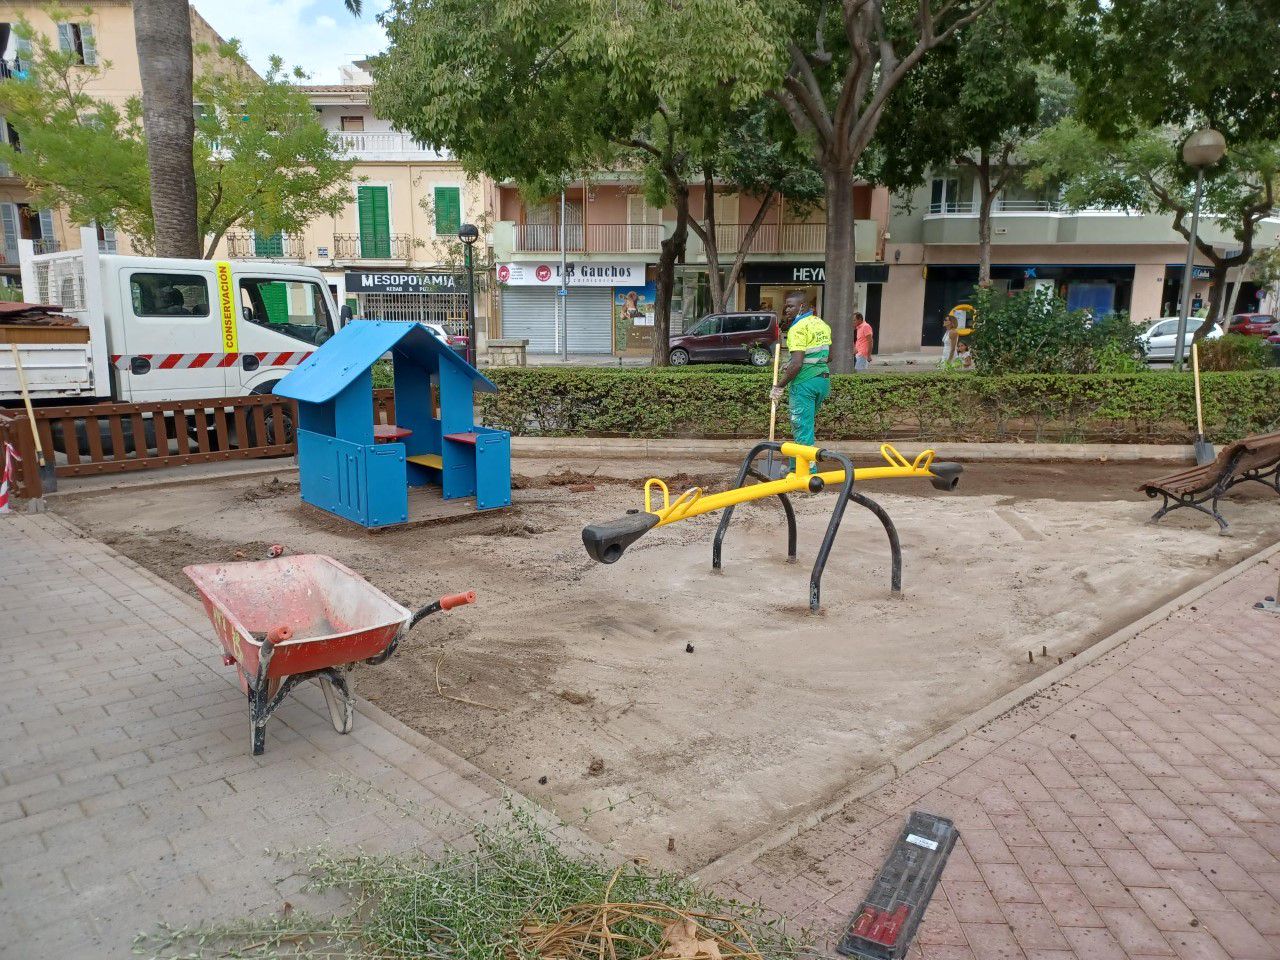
[
  {"x": 339, "y": 696},
  {"x": 257, "y": 722}
]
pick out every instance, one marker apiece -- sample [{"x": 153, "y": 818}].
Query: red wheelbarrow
[{"x": 308, "y": 617}]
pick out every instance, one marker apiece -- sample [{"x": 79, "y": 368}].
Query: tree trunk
[
  {"x": 163, "y": 36},
  {"x": 985, "y": 202},
  {"x": 840, "y": 293},
  {"x": 672, "y": 253}
]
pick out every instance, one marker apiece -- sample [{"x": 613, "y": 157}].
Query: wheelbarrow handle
[
  {"x": 447, "y": 602},
  {"x": 444, "y": 603}
]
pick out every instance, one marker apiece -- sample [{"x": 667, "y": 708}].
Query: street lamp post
[
  {"x": 468, "y": 234},
  {"x": 1203, "y": 149}
]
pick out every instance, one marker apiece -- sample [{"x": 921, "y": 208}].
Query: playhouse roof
[{"x": 357, "y": 347}]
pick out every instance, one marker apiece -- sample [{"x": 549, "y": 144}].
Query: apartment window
[
  {"x": 374, "y": 211},
  {"x": 106, "y": 239},
  {"x": 78, "y": 38},
  {"x": 448, "y": 208},
  {"x": 944, "y": 196},
  {"x": 9, "y": 228},
  {"x": 353, "y": 124}
]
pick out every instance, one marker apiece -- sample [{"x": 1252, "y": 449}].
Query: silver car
[{"x": 1159, "y": 339}]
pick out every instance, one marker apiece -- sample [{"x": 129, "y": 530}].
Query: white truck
[{"x": 165, "y": 329}]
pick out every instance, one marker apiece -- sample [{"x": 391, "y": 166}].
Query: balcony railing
[
  {"x": 352, "y": 246},
  {"x": 953, "y": 206},
  {"x": 545, "y": 238},
  {"x": 246, "y": 246},
  {"x": 383, "y": 145},
  {"x": 46, "y": 245},
  {"x": 1027, "y": 206},
  {"x": 773, "y": 237}
]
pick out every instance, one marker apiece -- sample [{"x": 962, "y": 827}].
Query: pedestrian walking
[
  {"x": 807, "y": 376},
  {"x": 863, "y": 337},
  {"x": 950, "y": 338}
]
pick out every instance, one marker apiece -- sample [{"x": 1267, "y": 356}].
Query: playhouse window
[{"x": 295, "y": 308}]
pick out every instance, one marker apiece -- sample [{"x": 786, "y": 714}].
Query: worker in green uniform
[{"x": 806, "y": 376}]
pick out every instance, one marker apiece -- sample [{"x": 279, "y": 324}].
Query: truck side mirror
[{"x": 345, "y": 312}]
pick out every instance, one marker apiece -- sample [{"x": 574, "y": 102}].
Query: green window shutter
[
  {"x": 268, "y": 244},
  {"x": 275, "y": 300},
  {"x": 375, "y": 222},
  {"x": 448, "y": 210}
]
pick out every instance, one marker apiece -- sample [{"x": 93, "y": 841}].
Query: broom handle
[
  {"x": 773, "y": 404},
  {"x": 26, "y": 396},
  {"x": 1195, "y": 369}
]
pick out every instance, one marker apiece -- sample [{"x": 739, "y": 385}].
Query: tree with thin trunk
[
  {"x": 753, "y": 157},
  {"x": 163, "y": 36},
  {"x": 836, "y": 95}
]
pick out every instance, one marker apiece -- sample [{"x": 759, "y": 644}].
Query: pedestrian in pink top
[{"x": 864, "y": 336}]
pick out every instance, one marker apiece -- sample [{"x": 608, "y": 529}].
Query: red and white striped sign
[
  {"x": 8, "y": 477},
  {"x": 201, "y": 361}
]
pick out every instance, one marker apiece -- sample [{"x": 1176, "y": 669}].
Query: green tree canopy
[
  {"x": 1144, "y": 173},
  {"x": 1148, "y": 63},
  {"x": 262, "y": 159}
]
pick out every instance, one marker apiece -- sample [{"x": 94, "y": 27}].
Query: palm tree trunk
[{"x": 163, "y": 35}]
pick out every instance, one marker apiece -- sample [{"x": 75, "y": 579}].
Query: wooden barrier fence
[{"x": 108, "y": 438}]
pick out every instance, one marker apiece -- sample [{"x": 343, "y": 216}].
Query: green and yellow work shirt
[{"x": 812, "y": 335}]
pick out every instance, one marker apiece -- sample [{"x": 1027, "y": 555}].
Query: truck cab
[{"x": 173, "y": 329}]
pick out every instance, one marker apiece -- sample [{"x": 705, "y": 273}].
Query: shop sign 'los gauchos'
[{"x": 576, "y": 274}]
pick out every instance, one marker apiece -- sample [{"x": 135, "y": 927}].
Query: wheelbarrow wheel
[{"x": 339, "y": 698}]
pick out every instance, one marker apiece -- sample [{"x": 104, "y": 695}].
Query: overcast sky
[{"x": 317, "y": 35}]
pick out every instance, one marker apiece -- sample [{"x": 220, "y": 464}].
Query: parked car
[
  {"x": 1252, "y": 324},
  {"x": 1274, "y": 340},
  {"x": 1159, "y": 339},
  {"x": 727, "y": 338}
]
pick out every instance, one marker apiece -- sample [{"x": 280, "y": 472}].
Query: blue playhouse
[{"x": 362, "y": 471}]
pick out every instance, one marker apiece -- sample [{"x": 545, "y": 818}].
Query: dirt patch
[
  {"x": 270, "y": 489},
  {"x": 775, "y": 711}
]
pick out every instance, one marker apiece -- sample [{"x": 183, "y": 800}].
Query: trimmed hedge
[{"x": 1119, "y": 408}]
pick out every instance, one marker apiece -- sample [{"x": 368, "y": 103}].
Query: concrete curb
[
  {"x": 752, "y": 850},
  {"x": 625, "y": 447}
]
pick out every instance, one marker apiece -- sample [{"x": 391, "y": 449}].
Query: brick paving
[
  {"x": 128, "y": 794},
  {"x": 1132, "y": 810}
]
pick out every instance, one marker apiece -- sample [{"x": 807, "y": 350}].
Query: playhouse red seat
[
  {"x": 387, "y": 432},
  {"x": 462, "y": 438}
]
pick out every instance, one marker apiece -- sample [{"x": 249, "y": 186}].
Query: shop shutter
[
  {"x": 375, "y": 223},
  {"x": 448, "y": 206},
  {"x": 529, "y": 313},
  {"x": 590, "y": 319}
]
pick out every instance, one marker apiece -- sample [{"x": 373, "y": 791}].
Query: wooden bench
[{"x": 1254, "y": 458}]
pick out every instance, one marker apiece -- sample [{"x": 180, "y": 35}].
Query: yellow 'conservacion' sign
[{"x": 226, "y": 300}]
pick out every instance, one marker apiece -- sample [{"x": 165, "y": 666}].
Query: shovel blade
[{"x": 1204, "y": 452}]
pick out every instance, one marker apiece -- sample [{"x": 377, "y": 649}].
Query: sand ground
[{"x": 593, "y": 705}]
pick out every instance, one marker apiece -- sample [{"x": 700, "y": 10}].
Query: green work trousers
[{"x": 805, "y": 399}]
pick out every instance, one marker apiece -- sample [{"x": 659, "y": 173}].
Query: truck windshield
[{"x": 295, "y": 308}]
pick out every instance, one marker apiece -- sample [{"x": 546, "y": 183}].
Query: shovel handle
[
  {"x": 31, "y": 414},
  {"x": 773, "y": 404}
]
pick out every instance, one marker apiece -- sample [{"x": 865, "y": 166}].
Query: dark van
[{"x": 727, "y": 338}]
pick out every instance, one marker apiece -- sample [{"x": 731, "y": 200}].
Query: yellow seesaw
[{"x": 606, "y": 542}]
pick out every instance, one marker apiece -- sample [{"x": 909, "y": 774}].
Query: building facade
[
  {"x": 604, "y": 239},
  {"x": 392, "y": 253},
  {"x": 1100, "y": 260},
  {"x": 102, "y": 35}
]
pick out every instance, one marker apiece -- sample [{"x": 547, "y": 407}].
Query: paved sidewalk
[
  {"x": 128, "y": 794},
  {"x": 1132, "y": 810}
]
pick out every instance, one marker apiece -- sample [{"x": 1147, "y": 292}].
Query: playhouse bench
[{"x": 1253, "y": 458}]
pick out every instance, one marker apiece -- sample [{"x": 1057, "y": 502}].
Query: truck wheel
[{"x": 287, "y": 430}]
